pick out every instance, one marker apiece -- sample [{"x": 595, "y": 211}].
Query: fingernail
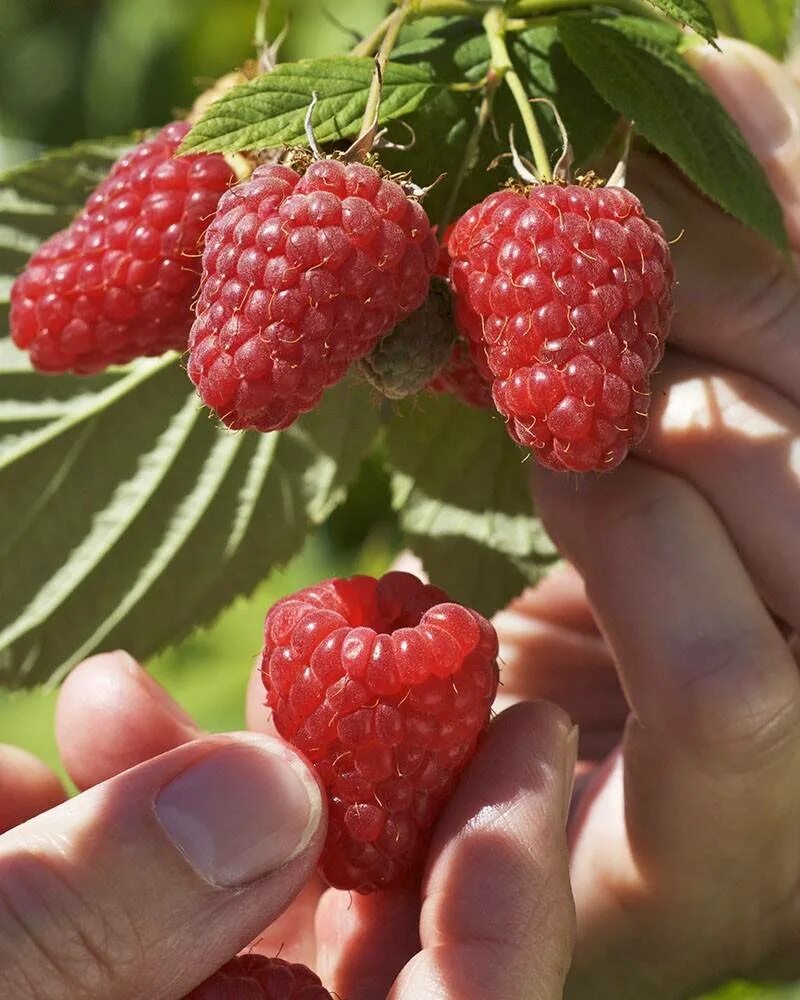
[
  {"x": 756, "y": 91},
  {"x": 570, "y": 763},
  {"x": 240, "y": 812}
]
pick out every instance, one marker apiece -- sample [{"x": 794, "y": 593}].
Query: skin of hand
[
  {"x": 674, "y": 644},
  {"x": 182, "y": 847}
]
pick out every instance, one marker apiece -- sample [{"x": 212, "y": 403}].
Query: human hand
[
  {"x": 684, "y": 840},
  {"x": 96, "y": 902}
]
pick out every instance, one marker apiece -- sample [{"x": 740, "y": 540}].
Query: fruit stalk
[
  {"x": 394, "y": 27},
  {"x": 494, "y": 24},
  {"x": 521, "y": 10}
]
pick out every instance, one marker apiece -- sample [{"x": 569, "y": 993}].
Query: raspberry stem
[
  {"x": 370, "y": 42},
  {"x": 494, "y": 24},
  {"x": 520, "y": 11},
  {"x": 394, "y": 26}
]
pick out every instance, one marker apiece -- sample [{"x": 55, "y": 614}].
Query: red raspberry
[
  {"x": 386, "y": 687},
  {"x": 302, "y": 275},
  {"x": 118, "y": 283},
  {"x": 461, "y": 377},
  {"x": 569, "y": 292},
  {"x": 256, "y": 977},
  {"x": 466, "y": 374}
]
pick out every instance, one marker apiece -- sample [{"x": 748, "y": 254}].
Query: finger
[
  {"x": 146, "y": 884},
  {"x": 111, "y": 715},
  {"x": 550, "y": 649},
  {"x": 497, "y": 916},
  {"x": 27, "y": 787},
  {"x": 707, "y": 425},
  {"x": 734, "y": 289},
  {"x": 559, "y": 597},
  {"x": 364, "y": 941},
  {"x": 763, "y": 98},
  {"x": 292, "y": 935},
  {"x": 701, "y": 660}
]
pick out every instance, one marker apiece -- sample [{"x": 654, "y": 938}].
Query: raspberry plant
[{"x": 130, "y": 515}]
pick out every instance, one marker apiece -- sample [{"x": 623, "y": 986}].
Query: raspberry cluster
[
  {"x": 386, "y": 686},
  {"x": 118, "y": 283},
  {"x": 302, "y": 275},
  {"x": 257, "y": 977},
  {"x": 568, "y": 292}
]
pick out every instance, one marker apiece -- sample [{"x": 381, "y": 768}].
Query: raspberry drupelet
[
  {"x": 567, "y": 291},
  {"x": 257, "y": 977},
  {"x": 119, "y": 282},
  {"x": 386, "y": 686},
  {"x": 302, "y": 275}
]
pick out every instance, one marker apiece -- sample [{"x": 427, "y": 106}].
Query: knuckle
[
  {"x": 741, "y": 704},
  {"x": 773, "y": 309},
  {"x": 55, "y": 943}
]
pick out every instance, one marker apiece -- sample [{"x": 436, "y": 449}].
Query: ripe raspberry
[
  {"x": 256, "y": 977},
  {"x": 407, "y": 358},
  {"x": 569, "y": 292},
  {"x": 461, "y": 377},
  {"x": 118, "y": 283},
  {"x": 302, "y": 275},
  {"x": 386, "y": 687}
]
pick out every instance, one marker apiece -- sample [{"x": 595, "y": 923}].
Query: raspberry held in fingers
[
  {"x": 386, "y": 686},
  {"x": 567, "y": 292}
]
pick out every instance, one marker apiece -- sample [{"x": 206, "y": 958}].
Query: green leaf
[
  {"x": 459, "y": 53},
  {"x": 768, "y": 23},
  {"x": 270, "y": 111},
  {"x": 635, "y": 64},
  {"x": 460, "y": 486},
  {"x": 547, "y": 71},
  {"x": 130, "y": 518},
  {"x": 425, "y": 87},
  {"x": 693, "y": 14}
]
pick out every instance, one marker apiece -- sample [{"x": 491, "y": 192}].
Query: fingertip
[
  {"x": 541, "y": 721},
  {"x": 27, "y": 787},
  {"x": 132, "y": 718}
]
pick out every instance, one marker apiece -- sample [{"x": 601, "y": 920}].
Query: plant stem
[
  {"x": 535, "y": 8},
  {"x": 494, "y": 24},
  {"x": 394, "y": 25},
  {"x": 367, "y": 45},
  {"x": 493, "y": 81},
  {"x": 520, "y": 9}
]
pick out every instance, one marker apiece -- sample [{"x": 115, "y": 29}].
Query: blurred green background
[{"x": 90, "y": 68}]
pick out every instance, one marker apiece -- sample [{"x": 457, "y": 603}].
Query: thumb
[{"x": 147, "y": 883}]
